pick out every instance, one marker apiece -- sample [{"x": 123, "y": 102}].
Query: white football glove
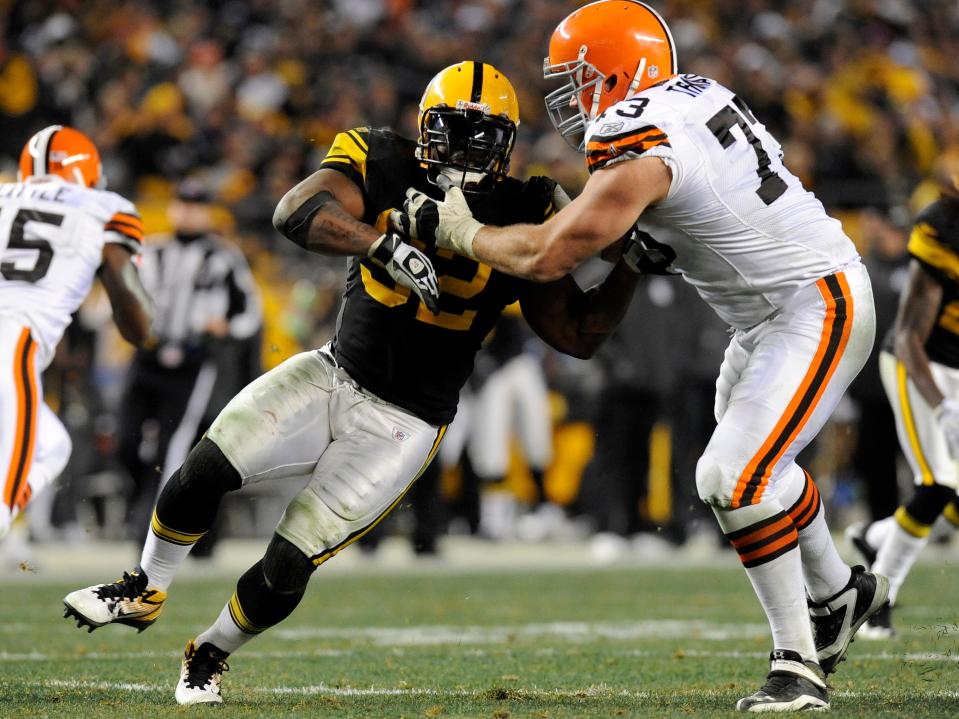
[
  {"x": 947, "y": 415},
  {"x": 448, "y": 224},
  {"x": 408, "y": 267}
]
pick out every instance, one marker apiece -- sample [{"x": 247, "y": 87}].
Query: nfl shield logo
[{"x": 399, "y": 435}]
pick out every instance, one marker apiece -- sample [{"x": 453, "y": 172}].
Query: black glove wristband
[{"x": 384, "y": 248}]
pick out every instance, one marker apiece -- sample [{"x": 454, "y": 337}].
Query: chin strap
[{"x": 637, "y": 78}]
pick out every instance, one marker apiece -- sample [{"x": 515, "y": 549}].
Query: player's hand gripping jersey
[
  {"x": 52, "y": 234},
  {"x": 386, "y": 338},
  {"x": 736, "y": 223}
]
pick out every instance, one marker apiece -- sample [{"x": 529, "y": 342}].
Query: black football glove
[
  {"x": 408, "y": 267},
  {"x": 645, "y": 256}
]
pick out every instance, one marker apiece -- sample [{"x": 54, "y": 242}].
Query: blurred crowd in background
[{"x": 246, "y": 95}]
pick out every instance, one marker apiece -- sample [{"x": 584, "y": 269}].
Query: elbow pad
[{"x": 296, "y": 227}]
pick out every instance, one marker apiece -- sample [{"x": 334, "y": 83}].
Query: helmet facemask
[
  {"x": 468, "y": 146},
  {"x": 564, "y": 104}
]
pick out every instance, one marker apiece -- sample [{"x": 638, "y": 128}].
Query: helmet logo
[
  {"x": 653, "y": 72},
  {"x": 468, "y": 105}
]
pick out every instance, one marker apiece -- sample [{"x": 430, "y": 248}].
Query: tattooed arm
[{"x": 322, "y": 214}]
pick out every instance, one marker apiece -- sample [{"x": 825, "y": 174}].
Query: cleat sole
[{"x": 82, "y": 621}]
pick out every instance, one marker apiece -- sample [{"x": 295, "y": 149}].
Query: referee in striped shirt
[{"x": 207, "y": 325}]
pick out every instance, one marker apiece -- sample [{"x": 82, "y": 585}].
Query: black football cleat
[
  {"x": 836, "y": 620},
  {"x": 791, "y": 685}
]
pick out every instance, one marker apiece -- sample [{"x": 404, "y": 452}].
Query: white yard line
[
  {"x": 439, "y": 634},
  {"x": 918, "y": 657},
  {"x": 598, "y": 691},
  {"x": 111, "y": 656}
]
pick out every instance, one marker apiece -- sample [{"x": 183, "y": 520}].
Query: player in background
[
  {"x": 512, "y": 401},
  {"x": 58, "y": 228},
  {"x": 919, "y": 364},
  {"x": 685, "y": 162},
  {"x": 360, "y": 419}
]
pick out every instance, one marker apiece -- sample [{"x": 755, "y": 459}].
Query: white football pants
[
  {"x": 779, "y": 383},
  {"x": 358, "y": 454},
  {"x": 34, "y": 445}
]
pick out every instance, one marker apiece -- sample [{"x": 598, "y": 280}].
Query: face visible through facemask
[{"x": 466, "y": 147}]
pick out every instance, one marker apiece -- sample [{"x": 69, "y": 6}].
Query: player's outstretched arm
[
  {"x": 611, "y": 202},
  {"x": 576, "y": 322},
  {"x": 322, "y": 214},
  {"x": 918, "y": 310},
  {"x": 132, "y": 306}
]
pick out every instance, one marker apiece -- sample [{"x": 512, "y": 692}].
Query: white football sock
[
  {"x": 779, "y": 587},
  {"x": 161, "y": 559},
  {"x": 224, "y": 633},
  {"x": 766, "y": 529},
  {"x": 824, "y": 571},
  {"x": 877, "y": 532},
  {"x": 164, "y": 552},
  {"x": 898, "y": 553}
]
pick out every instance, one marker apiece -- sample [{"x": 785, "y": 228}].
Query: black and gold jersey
[
  {"x": 386, "y": 338},
  {"x": 934, "y": 242}
]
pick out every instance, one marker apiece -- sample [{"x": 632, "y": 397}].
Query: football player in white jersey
[
  {"x": 58, "y": 228},
  {"x": 681, "y": 163}
]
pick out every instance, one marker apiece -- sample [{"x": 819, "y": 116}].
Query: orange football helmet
[
  {"x": 63, "y": 151},
  {"x": 607, "y": 51}
]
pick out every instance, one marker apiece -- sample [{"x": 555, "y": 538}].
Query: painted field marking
[
  {"x": 498, "y": 634},
  {"x": 600, "y": 691},
  {"x": 945, "y": 657}
]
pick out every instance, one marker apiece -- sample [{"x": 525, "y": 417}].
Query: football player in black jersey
[
  {"x": 362, "y": 417},
  {"x": 919, "y": 364}
]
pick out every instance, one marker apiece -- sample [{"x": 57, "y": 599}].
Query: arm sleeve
[{"x": 348, "y": 154}]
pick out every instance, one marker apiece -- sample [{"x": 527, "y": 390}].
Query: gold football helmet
[{"x": 467, "y": 121}]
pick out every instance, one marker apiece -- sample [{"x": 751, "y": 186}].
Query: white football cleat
[
  {"x": 126, "y": 601},
  {"x": 200, "y": 674}
]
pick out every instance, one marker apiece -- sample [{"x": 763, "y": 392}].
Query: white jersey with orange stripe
[
  {"x": 52, "y": 234},
  {"x": 736, "y": 223}
]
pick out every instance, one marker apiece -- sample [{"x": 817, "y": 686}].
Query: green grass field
[{"x": 618, "y": 642}]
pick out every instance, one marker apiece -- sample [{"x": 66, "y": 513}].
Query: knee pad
[
  {"x": 715, "y": 483},
  {"x": 207, "y": 467},
  {"x": 285, "y": 568},
  {"x": 928, "y": 502}
]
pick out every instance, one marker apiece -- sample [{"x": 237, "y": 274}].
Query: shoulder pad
[
  {"x": 624, "y": 131},
  {"x": 348, "y": 154}
]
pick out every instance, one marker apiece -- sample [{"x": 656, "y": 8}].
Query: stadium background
[{"x": 248, "y": 96}]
